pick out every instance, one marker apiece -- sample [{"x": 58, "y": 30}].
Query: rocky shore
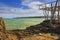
[{"x": 42, "y": 31}]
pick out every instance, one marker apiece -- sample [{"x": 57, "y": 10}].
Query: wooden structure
[{"x": 51, "y": 10}]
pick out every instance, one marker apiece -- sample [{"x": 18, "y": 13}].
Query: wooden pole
[
  {"x": 45, "y": 12},
  {"x": 51, "y": 13},
  {"x": 48, "y": 14},
  {"x": 58, "y": 10}
]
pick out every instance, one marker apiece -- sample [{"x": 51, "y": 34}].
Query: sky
[{"x": 21, "y": 8}]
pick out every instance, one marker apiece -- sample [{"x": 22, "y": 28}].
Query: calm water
[{"x": 21, "y": 23}]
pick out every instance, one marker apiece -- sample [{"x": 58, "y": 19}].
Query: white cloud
[
  {"x": 32, "y": 4},
  {"x": 10, "y": 12},
  {"x": 18, "y": 12},
  {"x": 8, "y": 15},
  {"x": 35, "y": 4},
  {"x": 28, "y": 1}
]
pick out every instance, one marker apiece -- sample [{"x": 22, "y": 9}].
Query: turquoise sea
[{"x": 21, "y": 23}]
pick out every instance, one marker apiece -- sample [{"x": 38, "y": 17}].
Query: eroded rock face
[
  {"x": 2, "y": 30},
  {"x": 4, "y": 35},
  {"x": 2, "y": 25}
]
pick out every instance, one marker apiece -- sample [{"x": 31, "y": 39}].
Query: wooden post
[
  {"x": 48, "y": 14},
  {"x": 58, "y": 10},
  {"x": 51, "y": 13},
  {"x": 45, "y": 11}
]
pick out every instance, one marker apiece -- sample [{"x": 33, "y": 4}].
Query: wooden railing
[{"x": 51, "y": 9}]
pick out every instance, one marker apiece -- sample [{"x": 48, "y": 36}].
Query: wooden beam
[{"x": 50, "y": 8}]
